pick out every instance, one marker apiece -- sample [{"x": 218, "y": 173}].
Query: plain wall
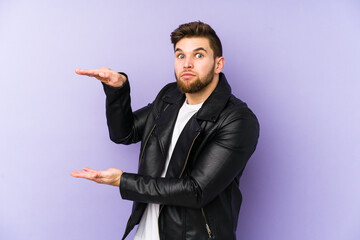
[{"x": 296, "y": 64}]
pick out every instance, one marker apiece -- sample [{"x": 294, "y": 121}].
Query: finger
[
  {"x": 104, "y": 74},
  {"x": 86, "y": 169},
  {"x": 74, "y": 173},
  {"x": 82, "y": 71},
  {"x": 94, "y": 173},
  {"x": 79, "y": 174},
  {"x": 87, "y": 72},
  {"x": 86, "y": 175}
]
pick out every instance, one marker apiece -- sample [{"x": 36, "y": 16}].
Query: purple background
[{"x": 296, "y": 63}]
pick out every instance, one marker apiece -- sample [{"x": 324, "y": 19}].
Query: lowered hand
[{"x": 111, "y": 176}]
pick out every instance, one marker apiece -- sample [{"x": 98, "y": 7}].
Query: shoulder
[
  {"x": 240, "y": 117},
  {"x": 236, "y": 108},
  {"x": 238, "y": 122},
  {"x": 169, "y": 93},
  {"x": 167, "y": 89}
]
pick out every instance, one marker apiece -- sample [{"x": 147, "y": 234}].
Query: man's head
[
  {"x": 198, "y": 57},
  {"x": 198, "y": 29}
]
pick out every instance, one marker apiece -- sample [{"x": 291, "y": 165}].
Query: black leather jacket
[{"x": 199, "y": 197}]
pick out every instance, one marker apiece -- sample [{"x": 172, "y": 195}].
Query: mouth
[{"x": 187, "y": 75}]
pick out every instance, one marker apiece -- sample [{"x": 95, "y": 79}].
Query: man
[{"x": 196, "y": 138}]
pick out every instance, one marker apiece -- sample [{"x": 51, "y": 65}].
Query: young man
[{"x": 196, "y": 138}]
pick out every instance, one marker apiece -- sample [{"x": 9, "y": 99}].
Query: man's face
[{"x": 194, "y": 64}]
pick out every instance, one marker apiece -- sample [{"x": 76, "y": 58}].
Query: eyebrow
[{"x": 195, "y": 50}]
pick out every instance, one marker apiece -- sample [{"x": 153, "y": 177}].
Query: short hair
[{"x": 198, "y": 29}]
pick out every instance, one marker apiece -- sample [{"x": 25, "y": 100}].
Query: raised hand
[
  {"x": 105, "y": 75},
  {"x": 111, "y": 176}
]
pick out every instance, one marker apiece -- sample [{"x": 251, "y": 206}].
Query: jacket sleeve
[
  {"x": 218, "y": 164},
  {"x": 124, "y": 126}
]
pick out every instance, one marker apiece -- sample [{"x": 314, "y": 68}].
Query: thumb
[{"x": 103, "y": 74}]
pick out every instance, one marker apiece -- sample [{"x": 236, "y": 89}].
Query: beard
[{"x": 196, "y": 85}]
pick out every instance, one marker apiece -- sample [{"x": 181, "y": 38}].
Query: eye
[
  {"x": 181, "y": 56},
  {"x": 199, "y": 55}
]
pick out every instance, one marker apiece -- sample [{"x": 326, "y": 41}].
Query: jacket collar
[{"x": 213, "y": 105}]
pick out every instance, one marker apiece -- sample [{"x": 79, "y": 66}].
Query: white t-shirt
[{"x": 148, "y": 227}]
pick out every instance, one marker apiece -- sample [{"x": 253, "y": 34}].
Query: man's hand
[
  {"x": 111, "y": 176},
  {"x": 105, "y": 75}
]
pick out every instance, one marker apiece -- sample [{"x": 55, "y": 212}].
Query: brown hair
[{"x": 198, "y": 29}]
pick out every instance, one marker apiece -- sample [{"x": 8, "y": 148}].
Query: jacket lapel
[
  {"x": 216, "y": 102},
  {"x": 164, "y": 127}
]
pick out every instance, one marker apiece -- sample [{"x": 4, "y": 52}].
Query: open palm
[{"x": 110, "y": 177}]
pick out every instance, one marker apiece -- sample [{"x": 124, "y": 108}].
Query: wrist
[
  {"x": 118, "y": 182},
  {"x": 121, "y": 79}
]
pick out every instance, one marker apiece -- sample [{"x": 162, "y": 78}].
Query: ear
[{"x": 219, "y": 64}]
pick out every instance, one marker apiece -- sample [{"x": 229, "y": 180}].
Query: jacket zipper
[
  {"x": 187, "y": 158},
  {"x": 202, "y": 209},
  {"x": 206, "y": 224}
]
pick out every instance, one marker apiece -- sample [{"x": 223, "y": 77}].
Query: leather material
[{"x": 201, "y": 186}]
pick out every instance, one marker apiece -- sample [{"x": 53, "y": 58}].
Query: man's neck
[{"x": 201, "y": 96}]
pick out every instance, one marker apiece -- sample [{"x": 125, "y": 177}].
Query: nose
[{"x": 188, "y": 64}]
